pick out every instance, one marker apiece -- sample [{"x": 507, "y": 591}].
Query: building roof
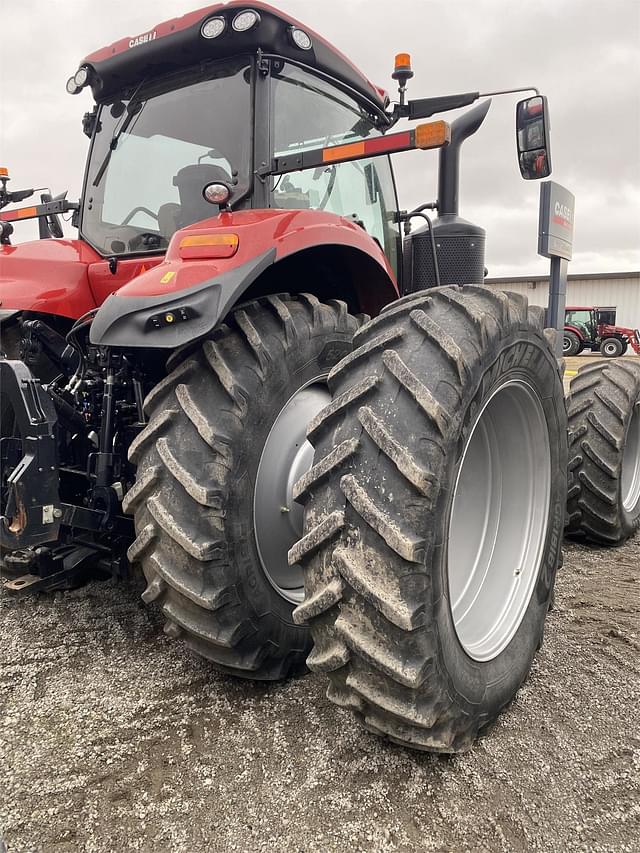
[{"x": 573, "y": 277}]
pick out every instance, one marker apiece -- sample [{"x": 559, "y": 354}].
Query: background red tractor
[
  {"x": 595, "y": 329},
  {"x": 198, "y": 364}
]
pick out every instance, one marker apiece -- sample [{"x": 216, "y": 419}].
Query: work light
[
  {"x": 213, "y": 28},
  {"x": 300, "y": 38},
  {"x": 72, "y": 86},
  {"x": 81, "y": 76},
  {"x": 244, "y": 21},
  {"x": 216, "y": 193}
]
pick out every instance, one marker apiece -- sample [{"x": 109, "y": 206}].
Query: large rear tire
[
  {"x": 434, "y": 514},
  {"x": 571, "y": 344},
  {"x": 216, "y": 465},
  {"x": 603, "y": 499}
]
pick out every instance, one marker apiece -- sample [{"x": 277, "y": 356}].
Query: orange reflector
[
  {"x": 432, "y": 135},
  {"x": 403, "y": 60},
  {"x": 338, "y": 152},
  {"x": 209, "y": 246},
  {"x": 4, "y": 172},
  {"x": 25, "y": 212}
]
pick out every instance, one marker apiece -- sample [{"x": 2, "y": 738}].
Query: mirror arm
[
  {"x": 426, "y": 107},
  {"x": 510, "y": 91}
]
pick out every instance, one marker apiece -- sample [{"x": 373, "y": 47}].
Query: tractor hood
[
  {"x": 49, "y": 276},
  {"x": 179, "y": 43}
]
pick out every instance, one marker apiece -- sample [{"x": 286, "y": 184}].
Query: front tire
[
  {"x": 434, "y": 514},
  {"x": 612, "y": 348},
  {"x": 214, "y": 562}
]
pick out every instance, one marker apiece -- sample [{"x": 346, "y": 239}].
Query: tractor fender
[
  {"x": 172, "y": 320},
  {"x": 576, "y": 330},
  {"x": 182, "y": 299}
]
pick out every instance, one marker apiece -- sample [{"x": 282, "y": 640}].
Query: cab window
[
  {"x": 310, "y": 113},
  {"x": 578, "y": 318}
]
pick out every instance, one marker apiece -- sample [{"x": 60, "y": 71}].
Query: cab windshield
[{"x": 154, "y": 153}]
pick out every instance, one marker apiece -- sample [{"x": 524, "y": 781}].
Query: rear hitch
[{"x": 44, "y": 569}]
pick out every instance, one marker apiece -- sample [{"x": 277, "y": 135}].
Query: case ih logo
[
  {"x": 562, "y": 215},
  {"x": 143, "y": 39}
]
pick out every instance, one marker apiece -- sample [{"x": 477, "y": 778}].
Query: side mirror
[{"x": 532, "y": 136}]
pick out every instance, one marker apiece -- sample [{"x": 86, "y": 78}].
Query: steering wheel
[{"x": 135, "y": 210}]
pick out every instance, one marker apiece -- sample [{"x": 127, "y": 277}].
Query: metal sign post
[{"x": 555, "y": 241}]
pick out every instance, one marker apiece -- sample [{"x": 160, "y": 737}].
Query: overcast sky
[{"x": 584, "y": 56}]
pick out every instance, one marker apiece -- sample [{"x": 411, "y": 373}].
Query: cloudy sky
[{"x": 584, "y": 56}]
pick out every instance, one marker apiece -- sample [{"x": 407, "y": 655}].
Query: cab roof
[{"x": 178, "y": 43}]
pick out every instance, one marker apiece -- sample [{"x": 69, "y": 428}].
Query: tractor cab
[
  {"x": 240, "y": 109},
  {"x": 176, "y": 141},
  {"x": 583, "y": 320}
]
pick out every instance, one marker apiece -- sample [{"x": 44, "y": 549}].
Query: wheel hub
[
  {"x": 286, "y": 456},
  {"x": 499, "y": 520}
]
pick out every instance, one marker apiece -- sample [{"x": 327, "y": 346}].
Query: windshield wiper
[{"x": 132, "y": 114}]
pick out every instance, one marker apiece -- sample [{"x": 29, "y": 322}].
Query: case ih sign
[{"x": 555, "y": 226}]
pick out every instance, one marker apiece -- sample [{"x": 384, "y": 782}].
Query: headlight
[
  {"x": 300, "y": 38},
  {"x": 213, "y": 28},
  {"x": 244, "y": 21}
]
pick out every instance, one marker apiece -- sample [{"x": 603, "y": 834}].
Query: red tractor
[
  {"x": 197, "y": 366},
  {"x": 595, "y": 329}
]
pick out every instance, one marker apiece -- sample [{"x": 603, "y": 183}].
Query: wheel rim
[
  {"x": 566, "y": 345},
  {"x": 499, "y": 520},
  {"x": 631, "y": 463},
  {"x": 610, "y": 349},
  {"x": 286, "y": 456}
]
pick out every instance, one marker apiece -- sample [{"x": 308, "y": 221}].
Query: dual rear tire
[
  {"x": 603, "y": 498},
  {"x": 433, "y": 511}
]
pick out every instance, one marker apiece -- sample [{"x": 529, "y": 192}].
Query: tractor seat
[{"x": 168, "y": 219}]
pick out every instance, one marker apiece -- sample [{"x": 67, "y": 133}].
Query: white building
[{"x": 619, "y": 289}]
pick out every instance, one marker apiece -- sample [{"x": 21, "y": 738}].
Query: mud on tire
[
  {"x": 379, "y": 497},
  {"x": 196, "y": 469},
  {"x": 603, "y": 498}
]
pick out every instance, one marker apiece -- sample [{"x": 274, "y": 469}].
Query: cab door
[{"x": 309, "y": 112}]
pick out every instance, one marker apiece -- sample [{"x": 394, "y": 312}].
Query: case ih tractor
[
  {"x": 198, "y": 366},
  {"x": 595, "y": 329}
]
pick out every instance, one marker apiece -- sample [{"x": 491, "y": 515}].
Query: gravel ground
[{"x": 113, "y": 738}]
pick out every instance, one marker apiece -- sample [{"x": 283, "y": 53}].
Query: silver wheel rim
[
  {"x": 566, "y": 344},
  {"x": 286, "y": 456},
  {"x": 631, "y": 463},
  {"x": 610, "y": 349},
  {"x": 499, "y": 520}
]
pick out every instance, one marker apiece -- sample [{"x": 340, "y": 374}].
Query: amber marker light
[
  {"x": 434, "y": 134},
  {"x": 25, "y": 212},
  {"x": 197, "y": 246}
]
